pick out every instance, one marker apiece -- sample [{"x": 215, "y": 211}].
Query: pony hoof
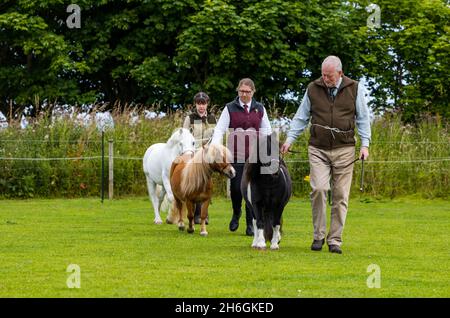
[
  {"x": 181, "y": 228},
  {"x": 158, "y": 221},
  {"x": 168, "y": 221},
  {"x": 274, "y": 247},
  {"x": 204, "y": 233},
  {"x": 259, "y": 247},
  {"x": 190, "y": 231}
]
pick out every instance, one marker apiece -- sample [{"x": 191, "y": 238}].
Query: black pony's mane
[{"x": 253, "y": 168}]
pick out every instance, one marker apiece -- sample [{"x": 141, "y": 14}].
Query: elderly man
[{"x": 334, "y": 103}]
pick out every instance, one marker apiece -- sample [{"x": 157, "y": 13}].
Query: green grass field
[{"x": 122, "y": 254}]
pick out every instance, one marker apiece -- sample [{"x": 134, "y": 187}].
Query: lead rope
[
  {"x": 333, "y": 130},
  {"x": 361, "y": 185}
]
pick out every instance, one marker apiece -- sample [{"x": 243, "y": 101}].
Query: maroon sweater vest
[{"x": 244, "y": 128}]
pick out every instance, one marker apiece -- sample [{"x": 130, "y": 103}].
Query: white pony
[{"x": 157, "y": 162}]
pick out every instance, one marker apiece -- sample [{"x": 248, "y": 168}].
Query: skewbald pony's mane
[{"x": 197, "y": 172}]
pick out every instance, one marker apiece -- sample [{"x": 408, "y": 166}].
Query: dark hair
[{"x": 201, "y": 98}]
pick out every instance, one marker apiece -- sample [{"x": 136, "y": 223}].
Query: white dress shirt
[{"x": 224, "y": 123}]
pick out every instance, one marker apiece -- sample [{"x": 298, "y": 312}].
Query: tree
[
  {"x": 32, "y": 60},
  {"x": 162, "y": 52},
  {"x": 408, "y": 57}
]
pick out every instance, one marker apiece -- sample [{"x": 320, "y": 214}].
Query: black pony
[{"x": 266, "y": 187}]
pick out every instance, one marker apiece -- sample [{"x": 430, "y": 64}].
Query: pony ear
[{"x": 174, "y": 138}]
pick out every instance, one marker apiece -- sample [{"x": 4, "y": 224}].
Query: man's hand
[
  {"x": 364, "y": 153},
  {"x": 285, "y": 148}
]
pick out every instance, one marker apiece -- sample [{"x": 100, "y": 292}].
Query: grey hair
[
  {"x": 333, "y": 60},
  {"x": 248, "y": 82}
]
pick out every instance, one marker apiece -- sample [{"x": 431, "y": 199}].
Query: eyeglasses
[{"x": 245, "y": 92}]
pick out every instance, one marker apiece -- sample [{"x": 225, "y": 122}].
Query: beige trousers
[{"x": 326, "y": 166}]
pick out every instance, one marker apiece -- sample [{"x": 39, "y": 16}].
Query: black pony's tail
[{"x": 268, "y": 226}]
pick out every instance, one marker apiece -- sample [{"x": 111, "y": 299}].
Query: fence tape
[
  {"x": 50, "y": 159},
  {"x": 287, "y": 161}
]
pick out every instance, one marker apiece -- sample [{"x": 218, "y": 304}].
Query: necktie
[
  {"x": 333, "y": 91},
  {"x": 246, "y": 109}
]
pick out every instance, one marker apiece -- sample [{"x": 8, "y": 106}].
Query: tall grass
[
  {"x": 403, "y": 159},
  {"x": 409, "y": 159},
  {"x": 47, "y": 138}
]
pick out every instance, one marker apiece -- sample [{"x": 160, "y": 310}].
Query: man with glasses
[{"x": 243, "y": 118}]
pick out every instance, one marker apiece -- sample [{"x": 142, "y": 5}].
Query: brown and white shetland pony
[{"x": 190, "y": 180}]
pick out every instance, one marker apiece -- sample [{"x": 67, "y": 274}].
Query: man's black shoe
[
  {"x": 317, "y": 245},
  {"x": 234, "y": 224},
  {"x": 249, "y": 230},
  {"x": 334, "y": 249}
]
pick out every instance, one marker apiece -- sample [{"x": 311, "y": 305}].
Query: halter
[
  {"x": 222, "y": 170},
  {"x": 208, "y": 142},
  {"x": 188, "y": 149},
  {"x": 268, "y": 164}
]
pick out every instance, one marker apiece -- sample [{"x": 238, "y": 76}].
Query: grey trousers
[{"x": 326, "y": 166}]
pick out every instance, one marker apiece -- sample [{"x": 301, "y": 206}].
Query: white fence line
[
  {"x": 388, "y": 161},
  {"x": 303, "y": 161},
  {"x": 287, "y": 161},
  {"x": 372, "y": 144},
  {"x": 51, "y": 159},
  {"x": 409, "y": 161}
]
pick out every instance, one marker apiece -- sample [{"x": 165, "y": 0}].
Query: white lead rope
[{"x": 333, "y": 130}]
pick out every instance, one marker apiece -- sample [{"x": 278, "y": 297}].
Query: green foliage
[
  {"x": 408, "y": 57},
  {"x": 162, "y": 52},
  {"x": 258, "y": 40}
]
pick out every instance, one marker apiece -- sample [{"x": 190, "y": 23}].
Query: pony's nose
[{"x": 232, "y": 173}]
